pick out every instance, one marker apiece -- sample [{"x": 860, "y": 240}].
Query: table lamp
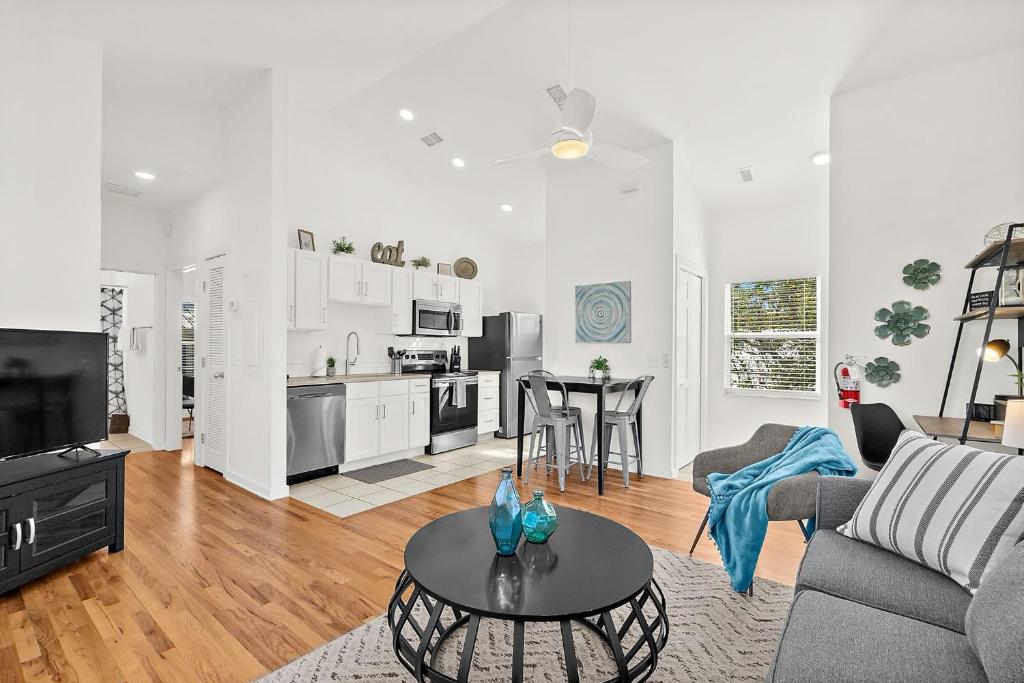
[
  {"x": 997, "y": 349},
  {"x": 1013, "y": 426}
]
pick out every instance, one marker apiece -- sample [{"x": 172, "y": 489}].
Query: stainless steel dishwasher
[{"x": 316, "y": 430}]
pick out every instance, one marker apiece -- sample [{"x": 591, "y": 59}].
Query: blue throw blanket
[{"x": 738, "y": 516}]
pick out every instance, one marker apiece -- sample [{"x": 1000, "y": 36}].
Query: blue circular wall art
[{"x": 603, "y": 313}]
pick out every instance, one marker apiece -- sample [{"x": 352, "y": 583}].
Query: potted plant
[
  {"x": 331, "y": 362},
  {"x": 420, "y": 262},
  {"x": 600, "y": 366},
  {"x": 342, "y": 246}
]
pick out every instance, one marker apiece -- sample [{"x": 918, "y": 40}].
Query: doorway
[
  {"x": 689, "y": 379},
  {"x": 211, "y": 450}
]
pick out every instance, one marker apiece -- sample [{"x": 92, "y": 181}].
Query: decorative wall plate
[
  {"x": 882, "y": 372},
  {"x": 922, "y": 273},
  {"x": 902, "y": 323},
  {"x": 465, "y": 268}
]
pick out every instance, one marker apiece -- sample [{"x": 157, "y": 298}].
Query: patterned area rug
[{"x": 714, "y": 635}]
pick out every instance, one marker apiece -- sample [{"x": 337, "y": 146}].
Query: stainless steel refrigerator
[{"x": 512, "y": 343}]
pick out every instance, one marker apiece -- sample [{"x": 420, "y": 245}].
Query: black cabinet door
[
  {"x": 8, "y": 556},
  {"x": 61, "y": 517}
]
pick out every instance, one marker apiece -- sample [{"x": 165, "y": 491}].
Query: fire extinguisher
[{"x": 848, "y": 377}]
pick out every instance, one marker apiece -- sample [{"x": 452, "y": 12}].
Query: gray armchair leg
[{"x": 700, "y": 532}]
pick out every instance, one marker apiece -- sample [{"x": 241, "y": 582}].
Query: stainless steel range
[{"x": 453, "y": 400}]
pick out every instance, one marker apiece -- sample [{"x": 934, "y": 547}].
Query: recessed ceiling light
[
  {"x": 189, "y": 269},
  {"x": 406, "y": 114},
  {"x": 145, "y": 175},
  {"x": 458, "y": 163},
  {"x": 821, "y": 158},
  {"x": 507, "y": 208}
]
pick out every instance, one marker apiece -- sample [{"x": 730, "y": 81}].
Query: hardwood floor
[{"x": 216, "y": 584}]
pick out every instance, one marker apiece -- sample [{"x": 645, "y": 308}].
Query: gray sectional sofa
[{"x": 860, "y": 613}]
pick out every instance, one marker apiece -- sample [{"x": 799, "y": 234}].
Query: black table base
[{"x": 417, "y": 644}]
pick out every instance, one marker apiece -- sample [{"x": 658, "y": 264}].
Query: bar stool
[
  {"x": 625, "y": 421},
  {"x": 563, "y": 424}
]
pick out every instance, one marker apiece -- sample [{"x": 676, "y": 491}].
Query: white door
[
  {"x": 419, "y": 420},
  {"x": 448, "y": 289},
  {"x": 310, "y": 291},
  {"x": 394, "y": 423},
  {"x": 401, "y": 301},
  {"x": 361, "y": 428},
  {"x": 346, "y": 279},
  {"x": 472, "y": 309},
  {"x": 213, "y": 321},
  {"x": 424, "y": 286},
  {"x": 689, "y": 363},
  {"x": 377, "y": 284}
]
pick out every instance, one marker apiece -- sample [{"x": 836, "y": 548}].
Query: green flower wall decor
[
  {"x": 902, "y": 322},
  {"x": 882, "y": 371},
  {"x": 922, "y": 273}
]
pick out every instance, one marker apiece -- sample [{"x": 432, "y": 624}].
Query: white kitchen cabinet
[
  {"x": 307, "y": 290},
  {"x": 432, "y": 287},
  {"x": 359, "y": 282},
  {"x": 394, "y": 423},
  {"x": 377, "y": 284},
  {"x": 401, "y": 301},
  {"x": 472, "y": 309},
  {"x": 488, "y": 402},
  {"x": 362, "y": 428},
  {"x": 419, "y": 412}
]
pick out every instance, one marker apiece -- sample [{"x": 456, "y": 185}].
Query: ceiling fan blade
[
  {"x": 519, "y": 157},
  {"x": 578, "y": 110},
  {"x": 617, "y": 157}
]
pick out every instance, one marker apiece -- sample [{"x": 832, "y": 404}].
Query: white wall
[
  {"x": 49, "y": 180},
  {"x": 762, "y": 244},
  {"x": 595, "y": 234},
  {"x": 241, "y": 217},
  {"x": 922, "y": 167},
  {"x": 523, "y": 271},
  {"x": 133, "y": 238}
]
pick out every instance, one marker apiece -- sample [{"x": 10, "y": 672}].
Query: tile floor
[
  {"x": 343, "y": 496},
  {"x": 128, "y": 441}
]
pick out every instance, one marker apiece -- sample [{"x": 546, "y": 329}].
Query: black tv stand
[
  {"x": 56, "y": 508},
  {"x": 74, "y": 452}
]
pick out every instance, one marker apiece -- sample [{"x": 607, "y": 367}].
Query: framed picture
[
  {"x": 306, "y": 240},
  {"x": 444, "y": 269},
  {"x": 603, "y": 313}
]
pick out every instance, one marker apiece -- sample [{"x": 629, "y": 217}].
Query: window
[{"x": 772, "y": 337}]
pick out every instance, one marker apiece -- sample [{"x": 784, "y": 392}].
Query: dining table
[{"x": 583, "y": 385}]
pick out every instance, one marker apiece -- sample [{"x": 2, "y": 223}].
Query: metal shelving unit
[{"x": 1007, "y": 253}]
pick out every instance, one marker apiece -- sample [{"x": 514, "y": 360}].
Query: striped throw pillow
[{"x": 952, "y": 508}]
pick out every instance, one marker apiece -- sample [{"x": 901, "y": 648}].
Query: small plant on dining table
[{"x": 600, "y": 366}]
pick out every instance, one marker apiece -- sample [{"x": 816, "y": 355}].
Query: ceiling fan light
[{"x": 570, "y": 148}]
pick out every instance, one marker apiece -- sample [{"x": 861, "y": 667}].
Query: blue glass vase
[
  {"x": 539, "y": 519},
  {"x": 504, "y": 514}
]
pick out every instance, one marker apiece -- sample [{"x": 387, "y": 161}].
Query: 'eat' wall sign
[{"x": 388, "y": 254}]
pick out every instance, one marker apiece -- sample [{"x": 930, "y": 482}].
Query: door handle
[
  {"x": 291, "y": 312},
  {"x": 376, "y": 413},
  {"x": 31, "y": 531},
  {"x": 366, "y": 288},
  {"x": 412, "y": 407},
  {"x": 451, "y": 321},
  {"x": 359, "y": 287},
  {"x": 218, "y": 375},
  {"x": 16, "y": 529},
  {"x": 384, "y": 408},
  {"x": 323, "y": 314}
]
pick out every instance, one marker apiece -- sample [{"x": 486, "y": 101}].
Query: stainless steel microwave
[{"x": 436, "y": 319}]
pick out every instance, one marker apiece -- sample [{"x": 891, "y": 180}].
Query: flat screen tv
[{"x": 53, "y": 390}]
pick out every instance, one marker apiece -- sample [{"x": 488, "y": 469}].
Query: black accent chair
[{"x": 877, "y": 427}]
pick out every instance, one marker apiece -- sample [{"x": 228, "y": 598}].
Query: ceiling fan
[{"x": 573, "y": 138}]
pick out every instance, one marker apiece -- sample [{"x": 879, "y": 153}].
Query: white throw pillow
[{"x": 952, "y": 508}]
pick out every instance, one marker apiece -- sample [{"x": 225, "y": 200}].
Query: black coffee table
[{"x": 590, "y": 567}]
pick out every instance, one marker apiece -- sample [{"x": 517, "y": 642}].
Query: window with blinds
[
  {"x": 188, "y": 339},
  {"x": 772, "y": 336}
]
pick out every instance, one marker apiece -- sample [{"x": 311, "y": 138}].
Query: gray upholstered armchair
[{"x": 789, "y": 499}]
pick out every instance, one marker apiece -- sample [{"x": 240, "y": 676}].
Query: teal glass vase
[
  {"x": 505, "y": 515},
  {"x": 539, "y": 519}
]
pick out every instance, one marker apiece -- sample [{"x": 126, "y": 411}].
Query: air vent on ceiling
[
  {"x": 746, "y": 175},
  {"x": 557, "y": 95},
  {"x": 121, "y": 189},
  {"x": 432, "y": 139}
]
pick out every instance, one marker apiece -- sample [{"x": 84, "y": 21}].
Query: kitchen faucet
[{"x": 348, "y": 339}]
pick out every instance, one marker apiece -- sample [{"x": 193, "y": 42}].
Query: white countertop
[{"x": 351, "y": 379}]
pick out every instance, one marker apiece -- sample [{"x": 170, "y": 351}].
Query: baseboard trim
[{"x": 271, "y": 493}]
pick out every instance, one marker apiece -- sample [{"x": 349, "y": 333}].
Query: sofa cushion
[
  {"x": 830, "y": 639},
  {"x": 789, "y": 499},
  {"x": 994, "y": 619},
  {"x": 953, "y": 508},
  {"x": 857, "y": 571}
]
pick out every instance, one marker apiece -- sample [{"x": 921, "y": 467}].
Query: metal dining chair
[
  {"x": 625, "y": 422},
  {"x": 561, "y": 424}
]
